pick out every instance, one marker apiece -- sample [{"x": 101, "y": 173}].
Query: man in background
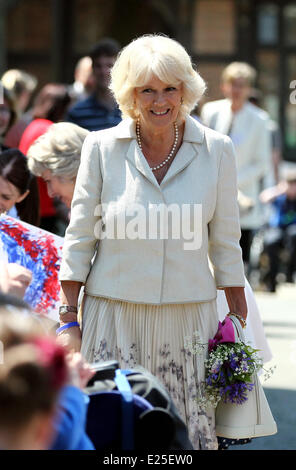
[
  {"x": 99, "y": 110},
  {"x": 247, "y": 126}
]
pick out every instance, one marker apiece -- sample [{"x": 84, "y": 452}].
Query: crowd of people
[
  {"x": 89, "y": 104},
  {"x": 140, "y": 299}
]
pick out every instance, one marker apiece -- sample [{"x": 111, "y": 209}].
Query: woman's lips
[{"x": 159, "y": 113}]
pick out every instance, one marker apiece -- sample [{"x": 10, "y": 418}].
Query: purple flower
[
  {"x": 237, "y": 392},
  {"x": 231, "y": 379},
  {"x": 233, "y": 362}
]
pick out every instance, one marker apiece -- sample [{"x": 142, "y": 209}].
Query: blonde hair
[
  {"x": 58, "y": 150},
  {"x": 154, "y": 55},
  {"x": 239, "y": 70},
  {"x": 17, "y": 81}
]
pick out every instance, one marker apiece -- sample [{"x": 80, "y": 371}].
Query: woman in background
[
  {"x": 19, "y": 195},
  {"x": 55, "y": 156},
  {"x": 8, "y": 116},
  {"x": 22, "y": 85}
]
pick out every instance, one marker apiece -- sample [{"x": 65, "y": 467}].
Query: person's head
[
  {"x": 154, "y": 74},
  {"x": 55, "y": 156},
  {"x": 18, "y": 186},
  {"x": 51, "y": 102},
  {"x": 8, "y": 113},
  {"x": 21, "y": 84},
  {"x": 33, "y": 369},
  {"x": 291, "y": 189},
  {"x": 103, "y": 55},
  {"x": 290, "y": 178},
  {"x": 237, "y": 81}
]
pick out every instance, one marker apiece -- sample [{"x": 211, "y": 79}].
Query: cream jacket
[
  {"x": 253, "y": 147},
  {"x": 155, "y": 270}
]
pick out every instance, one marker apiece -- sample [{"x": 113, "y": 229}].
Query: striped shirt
[{"x": 92, "y": 115}]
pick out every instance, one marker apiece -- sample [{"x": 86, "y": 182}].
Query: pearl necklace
[{"x": 160, "y": 165}]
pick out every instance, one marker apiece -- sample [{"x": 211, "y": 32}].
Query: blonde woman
[
  {"x": 55, "y": 156},
  {"x": 22, "y": 85},
  {"x": 145, "y": 292}
]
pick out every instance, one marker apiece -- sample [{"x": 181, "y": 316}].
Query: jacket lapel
[
  {"x": 126, "y": 130},
  {"x": 193, "y": 134},
  {"x": 184, "y": 157},
  {"x": 137, "y": 159}
]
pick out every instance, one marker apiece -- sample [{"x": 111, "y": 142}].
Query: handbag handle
[
  {"x": 127, "y": 417},
  {"x": 238, "y": 330}
]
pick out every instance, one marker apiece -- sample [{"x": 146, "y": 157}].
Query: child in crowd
[
  {"x": 41, "y": 402},
  {"x": 281, "y": 230}
]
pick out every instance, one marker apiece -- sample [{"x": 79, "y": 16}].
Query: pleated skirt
[{"x": 156, "y": 338}]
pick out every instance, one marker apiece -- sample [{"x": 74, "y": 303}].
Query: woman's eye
[
  {"x": 170, "y": 88},
  {"x": 6, "y": 198},
  {"x": 147, "y": 90}
]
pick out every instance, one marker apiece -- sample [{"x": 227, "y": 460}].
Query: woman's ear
[
  {"x": 23, "y": 196},
  {"x": 134, "y": 98}
]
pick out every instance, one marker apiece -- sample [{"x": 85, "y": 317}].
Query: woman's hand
[
  {"x": 70, "y": 339},
  {"x": 237, "y": 301}
]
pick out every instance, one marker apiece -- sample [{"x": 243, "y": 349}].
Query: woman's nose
[
  {"x": 50, "y": 191},
  {"x": 159, "y": 98}
]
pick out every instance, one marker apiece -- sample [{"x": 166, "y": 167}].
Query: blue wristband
[{"x": 68, "y": 325}]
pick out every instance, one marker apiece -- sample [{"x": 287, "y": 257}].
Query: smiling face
[
  {"x": 158, "y": 104},
  {"x": 237, "y": 90},
  {"x": 60, "y": 187},
  {"x": 9, "y": 195}
]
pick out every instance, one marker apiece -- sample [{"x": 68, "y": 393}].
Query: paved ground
[{"x": 278, "y": 312}]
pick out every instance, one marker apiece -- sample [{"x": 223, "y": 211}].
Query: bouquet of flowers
[{"x": 230, "y": 367}]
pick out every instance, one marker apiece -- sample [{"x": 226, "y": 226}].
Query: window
[
  {"x": 268, "y": 81},
  {"x": 214, "y": 27},
  {"x": 290, "y": 25},
  {"x": 267, "y": 25}
]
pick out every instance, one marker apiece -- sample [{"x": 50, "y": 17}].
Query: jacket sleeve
[
  {"x": 260, "y": 161},
  {"x": 80, "y": 238},
  {"x": 224, "y": 229},
  {"x": 70, "y": 421}
]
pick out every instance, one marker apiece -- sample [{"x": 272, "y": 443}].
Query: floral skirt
[{"x": 154, "y": 337}]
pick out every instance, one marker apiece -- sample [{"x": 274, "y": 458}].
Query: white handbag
[{"x": 251, "y": 419}]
